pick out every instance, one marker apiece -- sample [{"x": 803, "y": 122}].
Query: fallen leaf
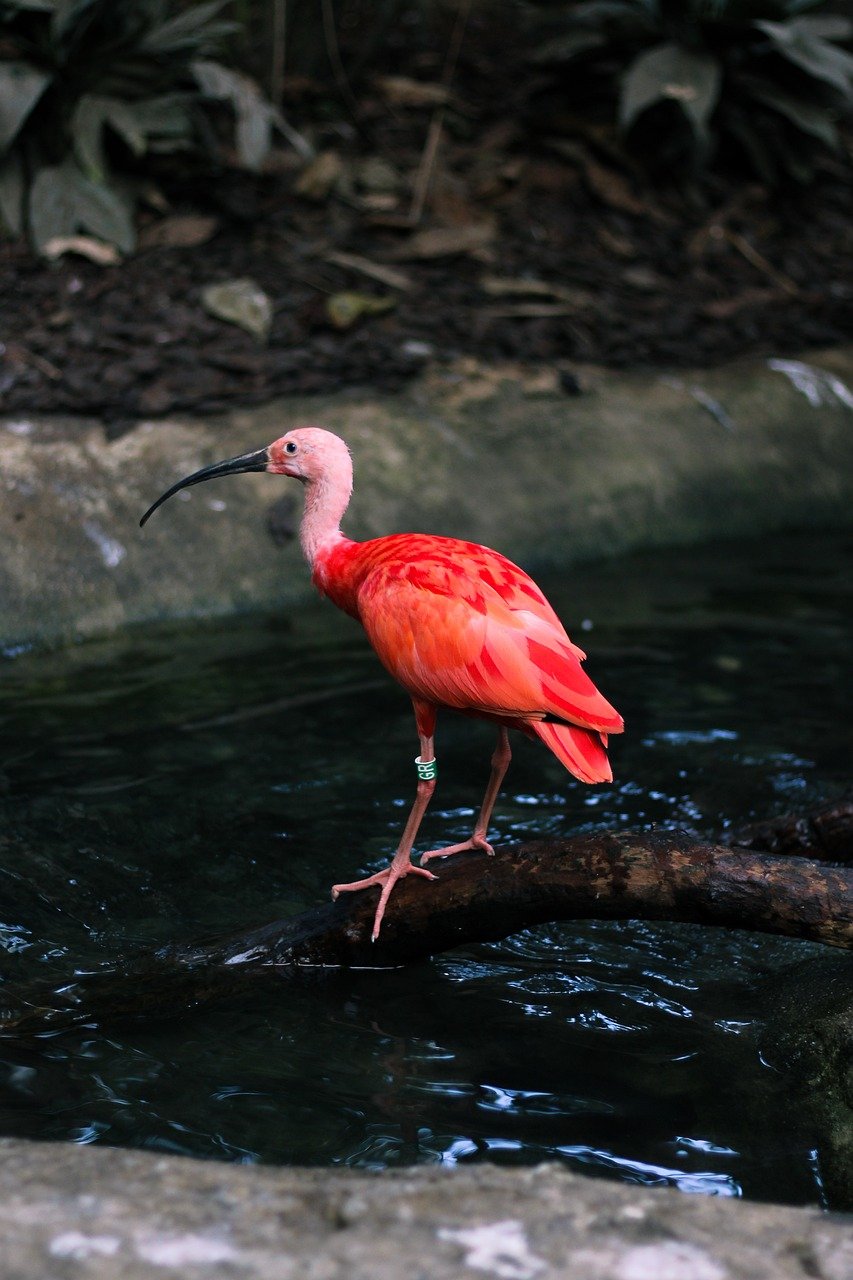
[
  {"x": 240, "y": 302},
  {"x": 343, "y": 309},
  {"x": 610, "y": 187},
  {"x": 499, "y": 136},
  {"x": 156, "y": 398},
  {"x": 758, "y": 260},
  {"x": 503, "y": 287},
  {"x": 402, "y": 91},
  {"x": 377, "y": 176},
  {"x": 378, "y": 202},
  {"x": 319, "y": 177},
  {"x": 642, "y": 278},
  {"x": 613, "y": 189},
  {"x": 389, "y": 276},
  {"x": 530, "y": 311},
  {"x": 98, "y": 251},
  {"x": 15, "y": 354},
  {"x": 621, "y": 246},
  {"x": 549, "y": 175},
  {"x": 151, "y": 195},
  {"x": 446, "y": 242},
  {"x": 180, "y": 231},
  {"x": 724, "y": 308},
  {"x": 451, "y": 203}
]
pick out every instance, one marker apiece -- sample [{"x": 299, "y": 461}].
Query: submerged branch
[
  {"x": 826, "y": 834},
  {"x": 645, "y": 876}
]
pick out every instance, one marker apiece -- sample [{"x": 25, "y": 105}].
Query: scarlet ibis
[{"x": 456, "y": 623}]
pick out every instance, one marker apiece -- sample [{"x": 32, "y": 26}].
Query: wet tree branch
[
  {"x": 648, "y": 876},
  {"x": 825, "y": 834}
]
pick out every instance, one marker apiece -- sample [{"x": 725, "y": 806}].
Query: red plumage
[{"x": 457, "y": 624}]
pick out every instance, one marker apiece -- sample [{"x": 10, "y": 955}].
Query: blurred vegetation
[
  {"x": 89, "y": 88},
  {"x": 693, "y": 80},
  {"x": 93, "y": 91}
]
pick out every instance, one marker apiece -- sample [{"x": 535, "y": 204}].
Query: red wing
[{"x": 468, "y": 629}]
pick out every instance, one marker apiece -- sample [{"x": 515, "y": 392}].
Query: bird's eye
[{"x": 290, "y": 447}]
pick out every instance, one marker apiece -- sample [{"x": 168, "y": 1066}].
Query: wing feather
[{"x": 461, "y": 626}]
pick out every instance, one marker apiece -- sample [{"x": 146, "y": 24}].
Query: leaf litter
[{"x": 358, "y": 263}]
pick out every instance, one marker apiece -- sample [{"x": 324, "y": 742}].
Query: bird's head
[{"x": 309, "y": 454}]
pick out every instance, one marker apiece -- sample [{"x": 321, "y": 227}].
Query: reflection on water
[{"x": 180, "y": 782}]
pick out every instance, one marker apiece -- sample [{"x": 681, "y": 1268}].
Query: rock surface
[
  {"x": 99, "y": 1213},
  {"x": 500, "y": 456}
]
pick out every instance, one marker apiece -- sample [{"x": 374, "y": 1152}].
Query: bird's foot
[
  {"x": 381, "y": 877},
  {"x": 475, "y": 842},
  {"x": 387, "y": 878}
]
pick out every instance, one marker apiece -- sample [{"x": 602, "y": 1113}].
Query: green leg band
[{"x": 427, "y": 769}]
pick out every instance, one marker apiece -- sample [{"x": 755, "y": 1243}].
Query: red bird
[{"x": 457, "y": 624}]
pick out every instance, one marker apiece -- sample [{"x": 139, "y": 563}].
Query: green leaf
[
  {"x": 166, "y": 122},
  {"x": 93, "y": 112},
  {"x": 122, "y": 118},
  {"x": 21, "y": 86},
  {"x": 86, "y": 129},
  {"x": 66, "y": 15},
  {"x": 818, "y": 57},
  {"x": 35, "y": 6},
  {"x": 193, "y": 29},
  {"x": 564, "y": 47},
  {"x": 63, "y": 201},
  {"x": 253, "y": 136},
  {"x": 164, "y": 117},
  {"x": 12, "y": 194},
  {"x": 671, "y": 73},
  {"x": 826, "y": 26},
  {"x": 255, "y": 116},
  {"x": 217, "y": 81}
]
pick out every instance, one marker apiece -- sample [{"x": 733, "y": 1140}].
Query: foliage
[
  {"x": 88, "y": 85},
  {"x": 695, "y": 77}
]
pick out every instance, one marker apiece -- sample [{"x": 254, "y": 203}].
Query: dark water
[{"x": 182, "y": 782}]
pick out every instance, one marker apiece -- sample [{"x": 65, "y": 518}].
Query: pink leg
[
  {"x": 500, "y": 764},
  {"x": 402, "y": 862}
]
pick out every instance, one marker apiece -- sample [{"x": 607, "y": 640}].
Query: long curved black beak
[{"x": 257, "y": 461}]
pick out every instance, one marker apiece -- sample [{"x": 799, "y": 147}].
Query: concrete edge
[
  {"x": 497, "y": 455},
  {"x": 100, "y": 1213}
]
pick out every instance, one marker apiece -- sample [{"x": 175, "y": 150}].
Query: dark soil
[{"x": 578, "y": 258}]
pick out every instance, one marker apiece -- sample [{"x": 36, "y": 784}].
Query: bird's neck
[{"x": 326, "y": 500}]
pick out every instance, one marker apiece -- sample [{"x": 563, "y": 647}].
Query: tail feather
[{"x": 580, "y": 750}]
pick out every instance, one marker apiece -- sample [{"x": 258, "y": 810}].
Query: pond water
[{"x": 178, "y": 782}]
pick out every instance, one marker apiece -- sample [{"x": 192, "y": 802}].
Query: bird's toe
[{"x": 466, "y": 846}]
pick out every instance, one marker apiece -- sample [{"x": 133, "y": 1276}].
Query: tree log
[{"x": 649, "y": 876}]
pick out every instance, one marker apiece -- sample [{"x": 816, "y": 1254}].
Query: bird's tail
[{"x": 580, "y": 750}]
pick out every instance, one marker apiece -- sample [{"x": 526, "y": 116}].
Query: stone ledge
[
  {"x": 98, "y": 1213},
  {"x": 497, "y": 455}
]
